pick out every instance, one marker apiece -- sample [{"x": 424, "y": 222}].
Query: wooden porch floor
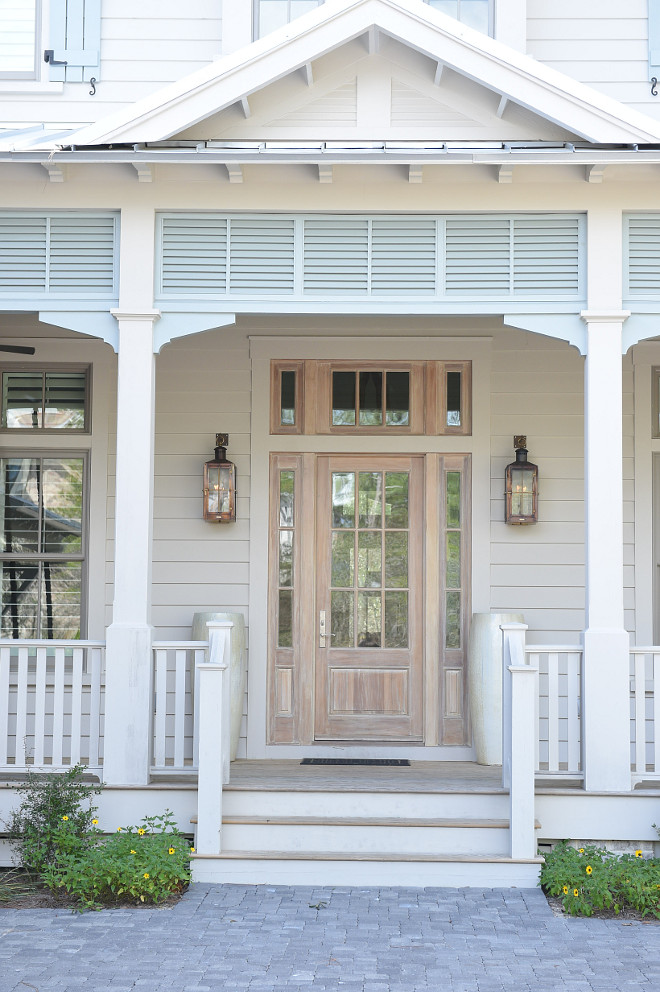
[{"x": 420, "y": 776}]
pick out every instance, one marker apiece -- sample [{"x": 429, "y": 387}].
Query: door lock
[{"x": 322, "y": 628}]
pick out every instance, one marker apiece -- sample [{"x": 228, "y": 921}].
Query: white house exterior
[{"x": 372, "y": 245}]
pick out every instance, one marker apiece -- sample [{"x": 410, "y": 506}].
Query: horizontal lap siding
[
  {"x": 144, "y": 46},
  {"x": 537, "y": 388},
  {"x": 604, "y": 45}
]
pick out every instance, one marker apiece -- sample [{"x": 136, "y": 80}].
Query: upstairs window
[
  {"x": 273, "y": 14},
  {"x": 19, "y": 38}
]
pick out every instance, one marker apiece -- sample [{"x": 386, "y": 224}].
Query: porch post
[
  {"x": 128, "y": 704},
  {"x": 605, "y": 667}
]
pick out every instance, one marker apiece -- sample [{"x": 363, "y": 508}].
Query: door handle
[{"x": 322, "y": 628}]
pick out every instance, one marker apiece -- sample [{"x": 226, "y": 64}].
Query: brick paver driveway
[{"x": 267, "y": 939}]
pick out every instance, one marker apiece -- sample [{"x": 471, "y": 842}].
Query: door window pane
[
  {"x": 453, "y": 499},
  {"x": 370, "y": 559},
  {"x": 341, "y": 619},
  {"x": 370, "y": 499},
  {"x": 285, "y": 619},
  {"x": 396, "y": 499},
  {"x": 369, "y": 619},
  {"x": 343, "y": 558},
  {"x": 343, "y": 499},
  {"x": 286, "y": 558},
  {"x": 286, "y": 498},
  {"x": 396, "y": 619},
  {"x": 288, "y": 398},
  {"x": 453, "y": 399},
  {"x": 396, "y": 559}
]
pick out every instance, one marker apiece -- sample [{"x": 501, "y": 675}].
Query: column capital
[
  {"x": 152, "y": 315},
  {"x": 604, "y": 316}
]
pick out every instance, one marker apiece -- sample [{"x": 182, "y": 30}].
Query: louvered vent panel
[
  {"x": 644, "y": 256},
  {"x": 546, "y": 255},
  {"x": 262, "y": 255},
  {"x": 478, "y": 256},
  {"x": 82, "y": 253},
  {"x": 23, "y": 254},
  {"x": 403, "y": 256},
  {"x": 336, "y": 256},
  {"x": 194, "y": 254}
]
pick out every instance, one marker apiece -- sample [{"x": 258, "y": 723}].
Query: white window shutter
[
  {"x": 643, "y": 255},
  {"x": 75, "y": 40}
]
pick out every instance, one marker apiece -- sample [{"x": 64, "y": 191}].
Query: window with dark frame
[{"x": 48, "y": 399}]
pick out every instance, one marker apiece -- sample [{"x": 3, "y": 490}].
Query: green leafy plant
[
  {"x": 56, "y": 814},
  {"x": 592, "y": 878},
  {"x": 144, "y": 863}
]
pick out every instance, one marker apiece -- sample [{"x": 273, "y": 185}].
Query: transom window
[
  {"x": 273, "y": 14},
  {"x": 45, "y": 399},
  {"x": 321, "y": 397},
  {"x": 19, "y": 34},
  {"x": 42, "y": 541}
]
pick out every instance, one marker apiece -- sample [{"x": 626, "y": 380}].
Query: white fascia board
[{"x": 543, "y": 90}]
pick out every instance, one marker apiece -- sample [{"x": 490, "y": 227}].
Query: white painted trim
[
  {"x": 576, "y": 107},
  {"x": 644, "y": 356},
  {"x": 262, "y": 351}
]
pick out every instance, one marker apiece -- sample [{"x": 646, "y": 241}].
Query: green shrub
[
  {"x": 593, "y": 878},
  {"x": 146, "y": 863},
  {"x": 56, "y": 813}
]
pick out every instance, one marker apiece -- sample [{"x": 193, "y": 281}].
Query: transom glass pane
[
  {"x": 288, "y": 398},
  {"x": 51, "y": 400},
  {"x": 398, "y": 399},
  {"x": 343, "y": 399},
  {"x": 453, "y": 399},
  {"x": 371, "y": 399}
]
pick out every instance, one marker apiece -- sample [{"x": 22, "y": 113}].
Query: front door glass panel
[{"x": 369, "y": 591}]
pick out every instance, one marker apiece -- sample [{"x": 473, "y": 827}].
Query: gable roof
[{"x": 574, "y": 108}]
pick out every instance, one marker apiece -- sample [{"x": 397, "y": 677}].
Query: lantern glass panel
[
  {"x": 522, "y": 492},
  {"x": 219, "y": 499}
]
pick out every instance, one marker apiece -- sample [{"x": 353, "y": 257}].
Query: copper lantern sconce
[
  {"x": 219, "y": 493},
  {"x": 521, "y": 490}
]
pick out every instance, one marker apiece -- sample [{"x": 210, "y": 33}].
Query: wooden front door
[{"x": 369, "y": 638}]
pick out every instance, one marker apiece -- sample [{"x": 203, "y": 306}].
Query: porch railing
[
  {"x": 176, "y": 700},
  {"x": 559, "y": 709},
  {"x": 51, "y": 704},
  {"x": 645, "y": 713}
]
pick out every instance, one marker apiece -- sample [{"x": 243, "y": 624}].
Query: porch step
[
  {"x": 366, "y": 868},
  {"x": 366, "y": 834},
  {"x": 329, "y": 803}
]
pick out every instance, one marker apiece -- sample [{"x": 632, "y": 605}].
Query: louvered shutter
[
  {"x": 82, "y": 252},
  {"x": 75, "y": 38},
  {"x": 643, "y": 237},
  {"x": 261, "y": 252},
  {"x": 546, "y": 255},
  {"x": 654, "y": 37},
  {"x": 23, "y": 253},
  {"x": 403, "y": 256},
  {"x": 477, "y": 256},
  {"x": 194, "y": 254},
  {"x": 336, "y": 256}
]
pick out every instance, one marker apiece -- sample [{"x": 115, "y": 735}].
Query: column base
[
  {"x": 606, "y": 710},
  {"x": 128, "y": 701}
]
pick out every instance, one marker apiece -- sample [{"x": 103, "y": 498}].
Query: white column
[
  {"x": 214, "y": 727},
  {"x": 605, "y": 667},
  {"x": 128, "y": 702}
]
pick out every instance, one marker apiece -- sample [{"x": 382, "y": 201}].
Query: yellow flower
[
  {"x": 638, "y": 854},
  {"x": 95, "y": 822},
  {"x": 576, "y": 893},
  {"x": 146, "y": 875},
  {"x": 581, "y": 850},
  {"x": 118, "y": 830},
  {"x": 566, "y": 890},
  {"x": 192, "y": 850},
  {"x": 588, "y": 869},
  {"x": 65, "y": 817},
  {"x": 171, "y": 851},
  {"x": 141, "y": 831},
  {"x": 133, "y": 852}
]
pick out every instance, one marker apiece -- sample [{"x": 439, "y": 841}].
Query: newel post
[
  {"x": 214, "y": 731},
  {"x": 519, "y": 736}
]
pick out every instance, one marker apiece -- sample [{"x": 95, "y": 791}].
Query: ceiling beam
[
  {"x": 308, "y": 73},
  {"x": 55, "y": 172},
  {"x": 145, "y": 172},
  {"x": 594, "y": 173},
  {"x": 235, "y": 172}
]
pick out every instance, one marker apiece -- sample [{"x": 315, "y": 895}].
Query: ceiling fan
[{"x": 17, "y": 349}]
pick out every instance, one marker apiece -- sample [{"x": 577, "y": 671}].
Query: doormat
[{"x": 355, "y": 761}]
